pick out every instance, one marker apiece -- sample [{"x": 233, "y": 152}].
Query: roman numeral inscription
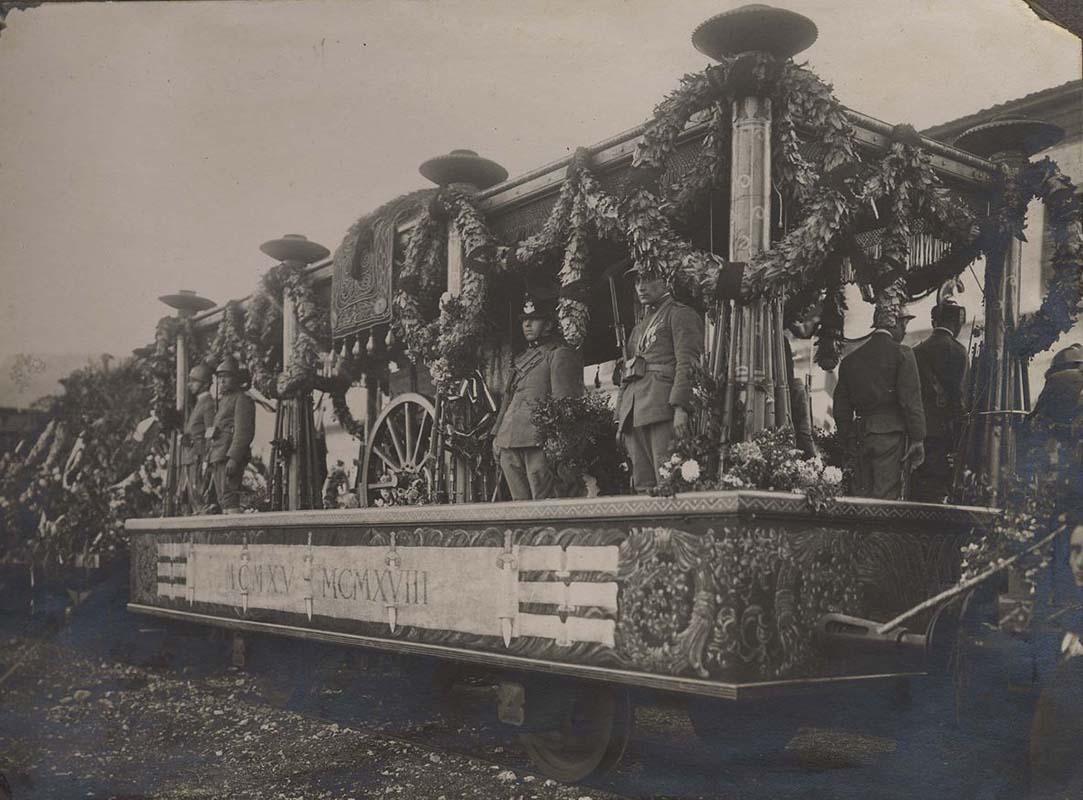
[
  {"x": 446, "y": 588},
  {"x": 395, "y": 586}
]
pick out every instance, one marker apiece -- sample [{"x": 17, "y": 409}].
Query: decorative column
[
  {"x": 753, "y": 368},
  {"x": 293, "y": 460},
  {"x": 467, "y": 172},
  {"x": 1001, "y": 377},
  {"x": 186, "y": 303}
]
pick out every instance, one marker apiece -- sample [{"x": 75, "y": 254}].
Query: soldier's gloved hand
[
  {"x": 232, "y": 468},
  {"x": 680, "y": 423},
  {"x": 915, "y": 455}
]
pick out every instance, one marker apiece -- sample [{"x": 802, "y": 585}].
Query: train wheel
[
  {"x": 397, "y": 454},
  {"x": 593, "y": 735}
]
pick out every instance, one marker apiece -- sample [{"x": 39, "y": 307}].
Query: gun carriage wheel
[{"x": 398, "y": 452}]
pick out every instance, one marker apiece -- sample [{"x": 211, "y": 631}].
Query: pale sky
[{"x": 146, "y": 148}]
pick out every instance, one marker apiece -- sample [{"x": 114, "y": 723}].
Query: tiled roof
[{"x": 1064, "y": 102}]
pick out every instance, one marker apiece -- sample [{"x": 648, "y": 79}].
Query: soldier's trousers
[
  {"x": 879, "y": 471},
  {"x": 649, "y": 447},
  {"x": 932, "y": 480},
  {"x": 227, "y": 489},
  {"x": 527, "y": 473}
]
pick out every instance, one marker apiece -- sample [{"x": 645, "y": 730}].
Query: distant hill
[{"x": 27, "y": 377}]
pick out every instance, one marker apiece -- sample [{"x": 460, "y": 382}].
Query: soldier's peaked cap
[{"x": 536, "y": 307}]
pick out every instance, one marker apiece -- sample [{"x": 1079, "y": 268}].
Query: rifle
[
  {"x": 618, "y": 328},
  {"x": 169, "y": 504}
]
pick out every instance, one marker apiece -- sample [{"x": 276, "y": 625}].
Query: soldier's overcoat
[
  {"x": 548, "y": 370},
  {"x": 234, "y": 427},
  {"x": 673, "y": 345}
]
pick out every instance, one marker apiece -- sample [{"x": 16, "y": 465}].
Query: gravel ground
[
  {"x": 113, "y": 705},
  {"x": 72, "y": 727}
]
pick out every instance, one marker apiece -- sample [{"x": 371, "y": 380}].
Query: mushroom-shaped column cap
[
  {"x": 187, "y": 302},
  {"x": 755, "y": 27},
  {"x": 463, "y": 166},
  {"x": 1010, "y": 134},
  {"x": 295, "y": 247}
]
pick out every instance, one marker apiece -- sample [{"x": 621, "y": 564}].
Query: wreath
[{"x": 1060, "y": 306}]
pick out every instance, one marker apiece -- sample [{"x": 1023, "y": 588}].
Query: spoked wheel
[
  {"x": 592, "y": 736},
  {"x": 397, "y": 455}
]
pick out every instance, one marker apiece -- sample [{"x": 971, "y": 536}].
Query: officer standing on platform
[
  {"x": 942, "y": 369},
  {"x": 234, "y": 427},
  {"x": 656, "y": 384},
  {"x": 877, "y": 405},
  {"x": 547, "y": 368},
  {"x": 194, "y": 439},
  {"x": 1053, "y": 448}
]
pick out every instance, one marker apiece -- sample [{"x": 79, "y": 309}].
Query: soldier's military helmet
[
  {"x": 1069, "y": 358},
  {"x": 228, "y": 366},
  {"x": 200, "y": 372},
  {"x": 538, "y": 307}
]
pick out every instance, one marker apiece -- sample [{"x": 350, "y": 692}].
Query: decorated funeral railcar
[{"x": 758, "y": 197}]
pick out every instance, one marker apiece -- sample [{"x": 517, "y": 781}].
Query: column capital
[
  {"x": 752, "y": 28},
  {"x": 186, "y": 302},
  {"x": 1009, "y": 140},
  {"x": 293, "y": 247},
  {"x": 463, "y": 169}
]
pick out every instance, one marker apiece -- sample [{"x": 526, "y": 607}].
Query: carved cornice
[{"x": 699, "y": 504}]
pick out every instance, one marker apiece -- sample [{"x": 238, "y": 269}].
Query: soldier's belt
[{"x": 639, "y": 369}]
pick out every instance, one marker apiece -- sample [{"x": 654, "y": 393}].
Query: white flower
[
  {"x": 690, "y": 470},
  {"x": 444, "y": 299},
  {"x": 728, "y": 481},
  {"x": 664, "y": 472},
  {"x": 832, "y": 475},
  {"x": 674, "y": 459}
]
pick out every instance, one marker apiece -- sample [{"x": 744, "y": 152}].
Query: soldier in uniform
[
  {"x": 547, "y": 368},
  {"x": 877, "y": 406},
  {"x": 942, "y": 369},
  {"x": 231, "y": 441},
  {"x": 656, "y": 385},
  {"x": 1052, "y": 449},
  {"x": 194, "y": 439}
]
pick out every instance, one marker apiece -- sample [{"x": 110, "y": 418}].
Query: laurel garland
[
  {"x": 336, "y": 389},
  {"x": 229, "y": 337},
  {"x": 829, "y": 336},
  {"x": 573, "y": 313},
  {"x": 448, "y": 343},
  {"x": 1060, "y": 306},
  {"x": 263, "y": 339},
  {"x": 311, "y": 328},
  {"x": 421, "y": 280},
  {"x": 162, "y": 367}
]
